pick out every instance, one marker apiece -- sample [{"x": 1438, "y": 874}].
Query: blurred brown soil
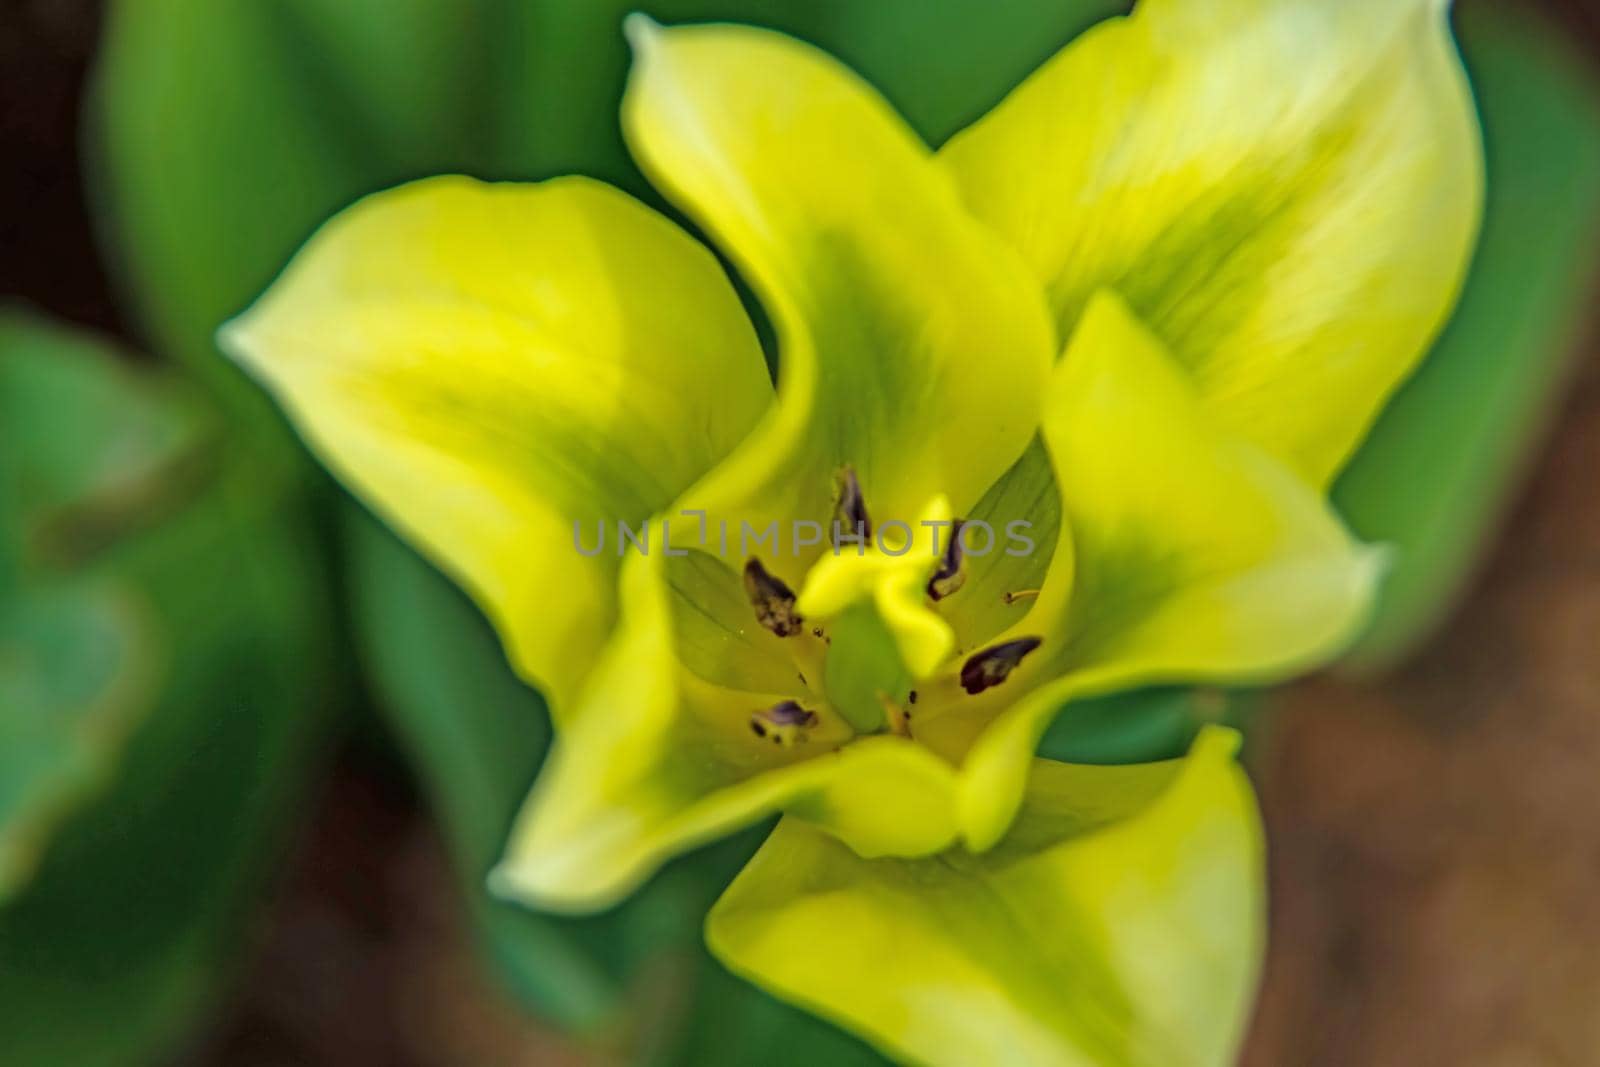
[
  {"x": 1435, "y": 836},
  {"x": 366, "y": 958},
  {"x": 47, "y": 254}
]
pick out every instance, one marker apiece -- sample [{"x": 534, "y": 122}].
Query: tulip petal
[
  {"x": 657, "y": 761},
  {"x": 1287, "y": 191},
  {"x": 1120, "y": 922},
  {"x": 718, "y": 636},
  {"x": 1197, "y": 557},
  {"x": 1023, "y": 513},
  {"x": 913, "y": 342},
  {"x": 489, "y": 365}
]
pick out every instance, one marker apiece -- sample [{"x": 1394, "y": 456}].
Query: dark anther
[
  {"x": 989, "y": 668},
  {"x": 911, "y": 697},
  {"x": 785, "y": 723},
  {"x": 950, "y": 576},
  {"x": 772, "y": 599},
  {"x": 850, "y": 520}
]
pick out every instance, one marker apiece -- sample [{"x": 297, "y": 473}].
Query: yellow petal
[
  {"x": 1287, "y": 191},
  {"x": 657, "y": 761},
  {"x": 1024, "y": 510},
  {"x": 1197, "y": 558},
  {"x": 913, "y": 343},
  {"x": 1119, "y": 923},
  {"x": 487, "y": 365},
  {"x": 715, "y": 630}
]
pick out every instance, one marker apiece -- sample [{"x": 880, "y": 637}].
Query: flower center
[{"x": 775, "y": 606}]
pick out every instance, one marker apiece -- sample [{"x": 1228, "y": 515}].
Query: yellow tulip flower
[{"x": 1130, "y": 323}]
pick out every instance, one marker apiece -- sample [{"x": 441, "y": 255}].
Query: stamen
[
  {"x": 849, "y": 510},
  {"x": 1021, "y": 594},
  {"x": 772, "y": 599},
  {"x": 951, "y": 575},
  {"x": 785, "y": 723},
  {"x": 989, "y": 668}
]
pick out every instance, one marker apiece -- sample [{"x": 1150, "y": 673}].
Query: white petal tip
[
  {"x": 1381, "y": 559},
  {"x": 642, "y": 32},
  {"x": 545, "y": 888},
  {"x": 227, "y": 339},
  {"x": 233, "y": 340},
  {"x": 509, "y": 882},
  {"x": 502, "y": 884}
]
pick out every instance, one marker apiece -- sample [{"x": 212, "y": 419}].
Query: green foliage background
[{"x": 189, "y": 611}]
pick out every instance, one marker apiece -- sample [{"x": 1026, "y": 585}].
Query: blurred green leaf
[
  {"x": 1438, "y": 471},
  {"x": 735, "y": 1024},
  {"x": 475, "y": 736},
  {"x": 89, "y": 450},
  {"x": 1144, "y": 725},
  {"x": 407, "y": 78},
  {"x": 138, "y": 903},
  {"x": 218, "y": 157},
  {"x": 135, "y": 905},
  {"x": 76, "y": 675}
]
